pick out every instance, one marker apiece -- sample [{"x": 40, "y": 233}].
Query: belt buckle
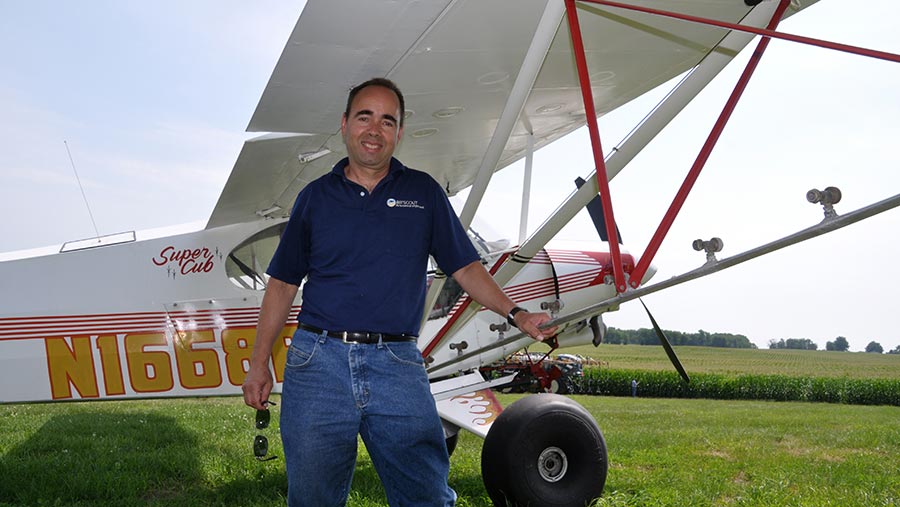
[{"x": 344, "y": 338}]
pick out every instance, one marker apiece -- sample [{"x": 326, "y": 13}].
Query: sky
[{"x": 152, "y": 100}]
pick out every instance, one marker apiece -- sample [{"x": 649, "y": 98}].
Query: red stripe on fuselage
[{"x": 19, "y": 328}]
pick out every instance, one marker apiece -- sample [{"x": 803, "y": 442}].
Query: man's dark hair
[{"x": 377, "y": 81}]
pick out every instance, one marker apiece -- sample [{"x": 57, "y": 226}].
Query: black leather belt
[{"x": 360, "y": 336}]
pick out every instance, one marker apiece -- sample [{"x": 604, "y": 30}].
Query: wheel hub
[{"x": 552, "y": 464}]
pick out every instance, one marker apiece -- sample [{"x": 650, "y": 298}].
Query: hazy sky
[{"x": 152, "y": 99}]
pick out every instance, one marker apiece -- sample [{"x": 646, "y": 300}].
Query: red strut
[
  {"x": 691, "y": 178},
  {"x": 591, "y": 118},
  {"x": 766, "y": 32}
]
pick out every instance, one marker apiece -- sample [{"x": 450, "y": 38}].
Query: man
[{"x": 361, "y": 236}]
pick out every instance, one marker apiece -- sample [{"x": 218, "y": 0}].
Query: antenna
[{"x": 82, "y": 191}]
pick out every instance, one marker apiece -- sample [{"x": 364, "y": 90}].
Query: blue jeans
[{"x": 334, "y": 391}]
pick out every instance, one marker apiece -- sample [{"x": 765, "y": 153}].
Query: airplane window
[
  {"x": 479, "y": 243},
  {"x": 246, "y": 264},
  {"x": 452, "y": 292},
  {"x": 488, "y": 250}
]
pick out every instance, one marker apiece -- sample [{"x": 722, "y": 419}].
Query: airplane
[{"x": 480, "y": 99}]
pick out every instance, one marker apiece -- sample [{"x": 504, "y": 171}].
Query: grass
[
  {"x": 704, "y": 452},
  {"x": 802, "y": 363},
  {"x": 197, "y": 452}
]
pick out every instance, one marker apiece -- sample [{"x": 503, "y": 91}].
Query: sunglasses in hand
[{"x": 260, "y": 442}]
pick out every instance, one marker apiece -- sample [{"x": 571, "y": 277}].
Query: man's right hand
[
  {"x": 276, "y": 306},
  {"x": 257, "y": 386}
]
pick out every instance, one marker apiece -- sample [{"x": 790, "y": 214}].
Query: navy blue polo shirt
[{"x": 365, "y": 256}]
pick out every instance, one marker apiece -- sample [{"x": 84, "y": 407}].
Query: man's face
[{"x": 372, "y": 129}]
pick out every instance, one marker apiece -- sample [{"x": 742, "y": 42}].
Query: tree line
[
  {"x": 839, "y": 344},
  {"x": 701, "y": 338},
  {"x": 645, "y": 336}
]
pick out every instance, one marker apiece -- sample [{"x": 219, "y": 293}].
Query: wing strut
[
  {"x": 526, "y": 189},
  {"x": 695, "y": 81},
  {"x": 602, "y": 180},
  {"x": 691, "y": 178},
  {"x": 528, "y": 72},
  {"x": 769, "y": 32},
  {"x": 829, "y": 224}
]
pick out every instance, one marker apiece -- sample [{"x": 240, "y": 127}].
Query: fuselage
[{"x": 176, "y": 316}]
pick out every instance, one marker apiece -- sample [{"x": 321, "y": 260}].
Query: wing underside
[{"x": 456, "y": 62}]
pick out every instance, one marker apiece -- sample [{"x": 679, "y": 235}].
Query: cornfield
[{"x": 668, "y": 384}]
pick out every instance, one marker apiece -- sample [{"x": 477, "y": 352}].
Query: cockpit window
[
  {"x": 447, "y": 299},
  {"x": 451, "y": 292},
  {"x": 246, "y": 265}
]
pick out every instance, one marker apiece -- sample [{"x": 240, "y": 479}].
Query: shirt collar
[{"x": 394, "y": 170}]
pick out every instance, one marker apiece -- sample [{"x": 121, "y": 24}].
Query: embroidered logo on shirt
[{"x": 394, "y": 203}]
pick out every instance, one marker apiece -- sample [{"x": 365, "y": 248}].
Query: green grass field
[
  {"x": 806, "y": 363},
  {"x": 197, "y": 452}
]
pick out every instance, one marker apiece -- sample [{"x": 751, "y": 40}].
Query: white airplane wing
[
  {"x": 456, "y": 62},
  {"x": 268, "y": 175}
]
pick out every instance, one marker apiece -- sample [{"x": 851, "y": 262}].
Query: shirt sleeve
[
  {"x": 450, "y": 245},
  {"x": 290, "y": 263}
]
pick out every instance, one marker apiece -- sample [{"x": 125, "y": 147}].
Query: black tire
[
  {"x": 547, "y": 450},
  {"x": 559, "y": 386}
]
